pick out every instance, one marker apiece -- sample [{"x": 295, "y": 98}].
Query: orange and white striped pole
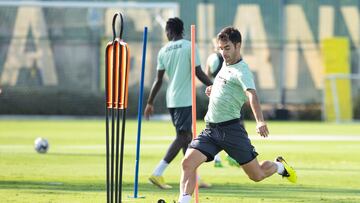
[{"x": 193, "y": 91}]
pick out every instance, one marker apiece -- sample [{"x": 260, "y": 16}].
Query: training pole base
[{"x": 138, "y": 197}]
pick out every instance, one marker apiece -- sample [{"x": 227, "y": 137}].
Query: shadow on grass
[
  {"x": 314, "y": 169},
  {"x": 265, "y": 191},
  {"x": 276, "y": 191},
  {"x": 64, "y": 186}
]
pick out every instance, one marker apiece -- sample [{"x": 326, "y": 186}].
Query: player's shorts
[
  {"x": 181, "y": 118},
  {"x": 229, "y": 136}
]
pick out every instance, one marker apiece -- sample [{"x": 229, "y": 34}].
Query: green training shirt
[
  {"x": 228, "y": 92},
  {"x": 175, "y": 59}
]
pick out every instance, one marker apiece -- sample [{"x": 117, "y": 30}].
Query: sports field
[{"x": 325, "y": 156}]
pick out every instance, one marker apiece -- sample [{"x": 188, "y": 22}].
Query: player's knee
[{"x": 187, "y": 165}]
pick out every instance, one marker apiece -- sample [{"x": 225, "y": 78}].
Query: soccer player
[
  {"x": 213, "y": 65},
  {"x": 233, "y": 85},
  {"x": 174, "y": 59}
]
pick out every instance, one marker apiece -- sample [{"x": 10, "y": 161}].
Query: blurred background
[{"x": 305, "y": 55}]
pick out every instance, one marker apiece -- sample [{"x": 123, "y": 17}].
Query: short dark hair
[
  {"x": 229, "y": 34},
  {"x": 175, "y": 25}
]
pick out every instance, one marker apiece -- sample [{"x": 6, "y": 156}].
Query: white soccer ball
[{"x": 41, "y": 145}]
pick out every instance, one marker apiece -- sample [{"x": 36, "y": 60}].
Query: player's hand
[
  {"x": 261, "y": 128},
  {"x": 149, "y": 110},
  {"x": 208, "y": 90}
]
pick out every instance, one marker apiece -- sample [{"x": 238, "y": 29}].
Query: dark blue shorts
[
  {"x": 229, "y": 136},
  {"x": 181, "y": 118}
]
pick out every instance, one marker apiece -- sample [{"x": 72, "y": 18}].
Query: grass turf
[{"x": 74, "y": 168}]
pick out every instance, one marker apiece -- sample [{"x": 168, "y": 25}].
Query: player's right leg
[
  {"x": 246, "y": 157},
  {"x": 257, "y": 172},
  {"x": 238, "y": 146},
  {"x": 288, "y": 171}
]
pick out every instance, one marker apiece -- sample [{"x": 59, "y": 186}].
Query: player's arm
[
  {"x": 261, "y": 127},
  {"x": 202, "y": 76},
  {"x": 149, "y": 109}
]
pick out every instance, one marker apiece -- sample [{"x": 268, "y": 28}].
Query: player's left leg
[{"x": 192, "y": 160}]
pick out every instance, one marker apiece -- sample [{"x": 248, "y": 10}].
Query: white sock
[
  {"x": 217, "y": 157},
  {"x": 280, "y": 167},
  {"x": 160, "y": 168},
  {"x": 184, "y": 198}
]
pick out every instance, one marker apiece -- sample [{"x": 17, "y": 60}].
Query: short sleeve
[
  {"x": 246, "y": 79},
  {"x": 160, "y": 64}
]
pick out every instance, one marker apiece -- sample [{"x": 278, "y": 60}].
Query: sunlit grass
[{"x": 74, "y": 168}]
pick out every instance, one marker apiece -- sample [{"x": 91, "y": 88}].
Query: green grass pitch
[{"x": 74, "y": 168}]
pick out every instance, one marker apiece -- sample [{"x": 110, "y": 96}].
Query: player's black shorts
[
  {"x": 181, "y": 118},
  {"x": 229, "y": 136}
]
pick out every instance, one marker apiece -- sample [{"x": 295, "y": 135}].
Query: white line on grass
[
  {"x": 70, "y": 147},
  {"x": 293, "y": 138},
  {"x": 308, "y": 138},
  {"x": 278, "y": 138}
]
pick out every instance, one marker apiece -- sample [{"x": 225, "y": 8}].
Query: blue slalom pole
[{"x": 137, "y": 160}]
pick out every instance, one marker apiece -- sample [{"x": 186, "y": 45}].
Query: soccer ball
[{"x": 41, "y": 145}]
